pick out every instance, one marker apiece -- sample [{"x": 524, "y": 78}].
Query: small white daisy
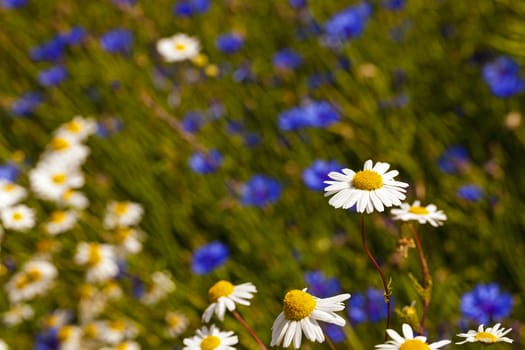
[
  {"x": 122, "y": 214},
  {"x": 18, "y": 218},
  {"x": 65, "y": 149},
  {"x": 416, "y": 212},
  {"x": 10, "y": 193},
  {"x": 161, "y": 285},
  {"x": 69, "y": 337},
  {"x": 17, "y": 314},
  {"x": 211, "y": 339},
  {"x": 100, "y": 260},
  {"x": 178, "y": 47},
  {"x": 51, "y": 180},
  {"x": 368, "y": 189},
  {"x": 409, "y": 342},
  {"x": 224, "y": 295},
  {"x": 35, "y": 278},
  {"x": 128, "y": 240},
  {"x": 301, "y": 313},
  {"x": 74, "y": 199},
  {"x": 176, "y": 323},
  {"x": 60, "y": 221},
  {"x": 78, "y": 128},
  {"x": 115, "y": 331},
  {"x": 127, "y": 345},
  {"x": 490, "y": 335}
]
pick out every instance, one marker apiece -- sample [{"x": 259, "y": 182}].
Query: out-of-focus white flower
[
  {"x": 18, "y": 218},
  {"x": 177, "y": 323},
  {"x": 416, "y": 212},
  {"x": 178, "y": 47},
  {"x": 50, "y": 181},
  {"x": 127, "y": 345},
  {"x": 115, "y": 331},
  {"x": 74, "y": 199},
  {"x": 65, "y": 149},
  {"x": 60, "y": 221},
  {"x": 35, "y": 278},
  {"x": 78, "y": 128},
  {"x": 489, "y": 335},
  {"x": 17, "y": 314},
  {"x": 122, "y": 214},
  {"x": 409, "y": 341},
  {"x": 70, "y": 337},
  {"x": 99, "y": 259},
  {"x": 3, "y": 345},
  {"x": 211, "y": 338},
  {"x": 10, "y": 193},
  {"x": 129, "y": 240},
  {"x": 161, "y": 285}
]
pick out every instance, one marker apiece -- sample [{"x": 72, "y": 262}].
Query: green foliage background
[{"x": 272, "y": 247}]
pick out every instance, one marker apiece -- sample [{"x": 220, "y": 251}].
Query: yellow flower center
[
  {"x": 414, "y": 344},
  {"x": 486, "y": 337},
  {"x": 173, "y": 320},
  {"x": 9, "y": 187},
  {"x": 210, "y": 342},
  {"x": 90, "y": 330},
  {"x": 30, "y": 276},
  {"x": 121, "y": 346},
  {"x": 68, "y": 194},
  {"x": 121, "y": 208},
  {"x": 58, "y": 216},
  {"x": 298, "y": 305},
  {"x": 17, "y": 216},
  {"x": 418, "y": 210},
  {"x": 118, "y": 326},
  {"x": 95, "y": 255},
  {"x": 59, "y": 178},
  {"x": 73, "y": 126},
  {"x": 65, "y": 333},
  {"x": 220, "y": 289},
  {"x": 59, "y": 144},
  {"x": 123, "y": 233},
  {"x": 367, "y": 180},
  {"x": 180, "y": 47}
]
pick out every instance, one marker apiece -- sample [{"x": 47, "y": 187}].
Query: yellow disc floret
[
  {"x": 486, "y": 337},
  {"x": 414, "y": 344},
  {"x": 418, "y": 210},
  {"x": 59, "y": 144},
  {"x": 210, "y": 342},
  {"x": 58, "y": 216},
  {"x": 59, "y": 178},
  {"x": 298, "y": 305},
  {"x": 121, "y": 208},
  {"x": 367, "y": 180},
  {"x": 220, "y": 289},
  {"x": 95, "y": 255}
]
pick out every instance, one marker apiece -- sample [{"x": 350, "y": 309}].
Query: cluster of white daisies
[{"x": 55, "y": 183}]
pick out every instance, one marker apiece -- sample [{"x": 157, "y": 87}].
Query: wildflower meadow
[{"x": 257, "y": 174}]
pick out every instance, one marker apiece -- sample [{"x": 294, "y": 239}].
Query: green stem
[{"x": 252, "y": 333}]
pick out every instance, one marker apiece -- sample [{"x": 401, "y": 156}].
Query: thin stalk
[
  {"x": 248, "y": 328},
  {"x": 329, "y": 342},
  {"x": 427, "y": 279},
  {"x": 378, "y": 268}
]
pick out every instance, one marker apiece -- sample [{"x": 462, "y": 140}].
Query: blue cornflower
[
  {"x": 471, "y": 193},
  {"x": 192, "y": 122},
  {"x": 252, "y": 139},
  {"x": 287, "y": 59},
  {"x": 369, "y": 307},
  {"x": 26, "y": 104},
  {"x": 244, "y": 73},
  {"x": 229, "y": 43},
  {"x": 348, "y": 23},
  {"x": 117, "y": 40},
  {"x": 297, "y": 3},
  {"x": 394, "y": 5},
  {"x": 74, "y": 36},
  {"x": 486, "y": 304},
  {"x": 260, "y": 191},
  {"x": 209, "y": 257},
  {"x": 205, "y": 163},
  {"x": 321, "y": 114},
  {"x": 52, "y": 76},
  {"x": 13, "y": 4},
  {"x": 51, "y": 50},
  {"x": 319, "y": 79},
  {"x": 320, "y": 286},
  {"x": 47, "y": 340},
  {"x": 9, "y": 172},
  {"x": 454, "y": 160},
  {"x": 316, "y": 174},
  {"x": 292, "y": 119},
  {"x": 187, "y": 8},
  {"x": 502, "y": 76},
  {"x": 334, "y": 332}
]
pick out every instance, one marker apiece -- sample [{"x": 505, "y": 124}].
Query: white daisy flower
[
  {"x": 65, "y": 149},
  {"x": 18, "y": 218},
  {"x": 74, "y": 199},
  {"x": 69, "y": 337},
  {"x": 100, "y": 260},
  {"x": 127, "y": 345},
  {"x": 177, "y": 323},
  {"x": 211, "y": 339},
  {"x": 51, "y": 180},
  {"x": 301, "y": 311},
  {"x": 122, "y": 214},
  {"x": 10, "y": 193},
  {"x": 224, "y": 295},
  {"x": 408, "y": 341},
  {"x": 129, "y": 240},
  {"x": 35, "y": 278},
  {"x": 115, "y": 331},
  {"x": 57, "y": 318},
  {"x": 178, "y": 47},
  {"x": 490, "y": 335},
  {"x": 3, "y": 345},
  {"x": 161, "y": 285},
  {"x": 17, "y": 314},
  {"x": 368, "y": 189},
  {"x": 416, "y": 212},
  {"x": 78, "y": 128},
  {"x": 60, "y": 221}
]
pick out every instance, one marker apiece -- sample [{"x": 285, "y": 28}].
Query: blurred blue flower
[
  {"x": 486, "y": 304},
  {"x": 348, "y": 23},
  {"x": 287, "y": 59},
  {"x": 229, "y": 43},
  {"x": 454, "y": 160},
  {"x": 252, "y": 139},
  {"x": 260, "y": 191},
  {"x": 367, "y": 307},
  {"x": 187, "y": 8},
  {"x": 192, "y": 122},
  {"x": 47, "y": 340},
  {"x": 334, "y": 332},
  {"x": 117, "y": 40},
  {"x": 292, "y": 119},
  {"x": 297, "y": 3},
  {"x": 52, "y": 76},
  {"x": 244, "y": 73},
  {"x": 138, "y": 288},
  {"x": 124, "y": 2},
  {"x": 74, "y": 36},
  {"x": 394, "y": 5},
  {"x": 471, "y": 193},
  {"x": 51, "y": 50},
  {"x": 26, "y": 104},
  {"x": 209, "y": 257},
  {"x": 502, "y": 76},
  {"x": 320, "y": 286},
  {"x": 321, "y": 114},
  {"x": 9, "y": 172},
  {"x": 13, "y": 4},
  {"x": 317, "y": 80},
  {"x": 205, "y": 163},
  {"x": 316, "y": 174}
]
